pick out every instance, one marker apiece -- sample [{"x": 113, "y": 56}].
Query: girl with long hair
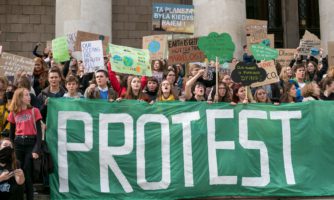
[
  {"x": 224, "y": 94},
  {"x": 134, "y": 90},
  {"x": 165, "y": 91},
  {"x": 26, "y": 132},
  {"x": 289, "y": 93}
]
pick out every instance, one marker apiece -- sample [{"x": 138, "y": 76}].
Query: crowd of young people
[{"x": 24, "y": 101}]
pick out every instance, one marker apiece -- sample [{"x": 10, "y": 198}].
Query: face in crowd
[
  {"x": 241, "y": 93},
  {"x": 101, "y": 79},
  {"x": 171, "y": 77},
  {"x": 227, "y": 79},
  {"x": 135, "y": 84},
  {"x": 156, "y": 65},
  {"x": 292, "y": 92},
  {"x": 199, "y": 90},
  {"x": 261, "y": 95},
  {"x": 165, "y": 86},
  {"x": 152, "y": 86},
  {"x": 300, "y": 73},
  {"x": 222, "y": 90},
  {"x": 54, "y": 79}
]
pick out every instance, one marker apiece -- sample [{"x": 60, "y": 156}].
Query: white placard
[{"x": 92, "y": 55}]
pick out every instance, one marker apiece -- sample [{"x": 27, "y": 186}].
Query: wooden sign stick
[{"x": 217, "y": 79}]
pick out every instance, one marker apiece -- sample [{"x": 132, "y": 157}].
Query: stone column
[
  {"x": 326, "y": 22},
  {"x": 222, "y": 16},
  {"x": 85, "y": 15}
]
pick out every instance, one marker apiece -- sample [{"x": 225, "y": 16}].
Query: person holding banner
[
  {"x": 166, "y": 91},
  {"x": 26, "y": 132},
  {"x": 224, "y": 94},
  {"x": 134, "y": 90},
  {"x": 151, "y": 89},
  {"x": 261, "y": 95},
  {"x": 100, "y": 89},
  {"x": 239, "y": 94}
]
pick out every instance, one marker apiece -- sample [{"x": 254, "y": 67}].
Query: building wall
[{"x": 23, "y": 23}]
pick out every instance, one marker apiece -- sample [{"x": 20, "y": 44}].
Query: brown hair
[
  {"x": 71, "y": 78},
  {"x": 129, "y": 93},
  {"x": 17, "y": 101},
  {"x": 24, "y": 82}
]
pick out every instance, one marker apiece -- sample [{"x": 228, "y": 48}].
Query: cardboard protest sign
[
  {"x": 92, "y": 55},
  {"x": 217, "y": 45},
  {"x": 71, "y": 38},
  {"x": 60, "y": 49},
  {"x": 249, "y": 73},
  {"x": 271, "y": 77},
  {"x": 86, "y": 36},
  {"x": 184, "y": 51},
  {"x": 10, "y": 64},
  {"x": 156, "y": 45},
  {"x": 256, "y": 31},
  {"x": 173, "y": 18},
  {"x": 129, "y": 60},
  {"x": 331, "y": 53},
  {"x": 308, "y": 42},
  {"x": 262, "y": 52},
  {"x": 285, "y": 56}
]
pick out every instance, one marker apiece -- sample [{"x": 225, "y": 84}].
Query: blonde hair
[
  {"x": 17, "y": 101},
  {"x": 284, "y": 75},
  {"x": 308, "y": 89}
]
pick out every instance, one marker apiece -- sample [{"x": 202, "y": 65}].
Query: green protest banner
[
  {"x": 176, "y": 150},
  {"x": 60, "y": 49},
  {"x": 217, "y": 45},
  {"x": 130, "y": 60},
  {"x": 262, "y": 52}
]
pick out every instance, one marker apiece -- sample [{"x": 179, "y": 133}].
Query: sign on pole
[{"x": 217, "y": 45}]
